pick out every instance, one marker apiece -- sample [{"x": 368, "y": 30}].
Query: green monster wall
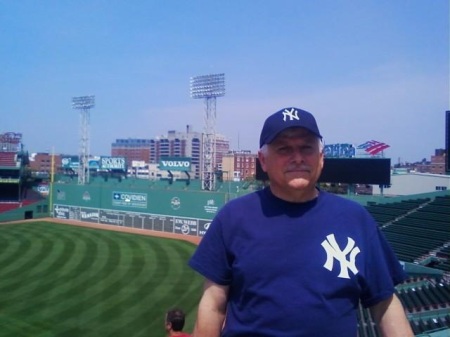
[{"x": 158, "y": 206}]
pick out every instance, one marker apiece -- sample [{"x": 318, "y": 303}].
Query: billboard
[
  {"x": 339, "y": 151},
  {"x": 156, "y": 222},
  {"x": 376, "y": 171},
  {"x": 113, "y": 163},
  {"x": 129, "y": 199},
  {"x": 175, "y": 164},
  {"x": 70, "y": 162}
]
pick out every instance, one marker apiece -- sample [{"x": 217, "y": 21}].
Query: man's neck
[{"x": 298, "y": 196}]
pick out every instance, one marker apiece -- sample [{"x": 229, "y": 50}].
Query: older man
[{"x": 292, "y": 260}]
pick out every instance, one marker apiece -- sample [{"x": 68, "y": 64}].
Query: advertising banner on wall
[
  {"x": 175, "y": 164},
  {"x": 339, "y": 151},
  {"x": 70, "y": 162},
  {"x": 156, "y": 222},
  {"x": 113, "y": 163},
  {"x": 185, "y": 226},
  {"x": 129, "y": 199}
]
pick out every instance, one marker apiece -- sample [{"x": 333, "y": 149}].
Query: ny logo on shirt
[{"x": 334, "y": 252}]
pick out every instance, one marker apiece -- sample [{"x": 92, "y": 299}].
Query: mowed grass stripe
[
  {"x": 108, "y": 291},
  {"x": 65, "y": 313},
  {"x": 58, "y": 247},
  {"x": 121, "y": 287},
  {"x": 11, "y": 327},
  {"x": 22, "y": 245},
  {"x": 48, "y": 274},
  {"x": 75, "y": 284},
  {"x": 138, "y": 291},
  {"x": 13, "y": 243},
  {"x": 139, "y": 310},
  {"x": 57, "y": 288},
  {"x": 183, "y": 292}
]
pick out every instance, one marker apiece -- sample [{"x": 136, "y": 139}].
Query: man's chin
[{"x": 299, "y": 183}]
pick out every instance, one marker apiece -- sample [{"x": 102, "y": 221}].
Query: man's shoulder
[
  {"x": 331, "y": 197},
  {"x": 246, "y": 199},
  {"x": 340, "y": 201}
]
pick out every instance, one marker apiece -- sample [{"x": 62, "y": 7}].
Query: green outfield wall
[
  {"x": 36, "y": 210},
  {"x": 140, "y": 204}
]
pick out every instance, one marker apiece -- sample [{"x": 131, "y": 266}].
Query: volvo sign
[{"x": 175, "y": 164}]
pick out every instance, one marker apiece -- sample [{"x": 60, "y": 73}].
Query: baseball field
[{"x": 63, "y": 280}]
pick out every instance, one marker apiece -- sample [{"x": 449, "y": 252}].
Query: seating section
[
  {"x": 426, "y": 297},
  {"x": 8, "y": 206},
  {"x": 444, "y": 254},
  {"x": 8, "y": 159},
  {"x": 427, "y": 304},
  {"x": 416, "y": 229},
  {"x": 428, "y": 325},
  {"x": 12, "y": 205},
  {"x": 384, "y": 213}
]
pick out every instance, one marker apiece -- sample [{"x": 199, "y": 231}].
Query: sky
[{"x": 368, "y": 70}]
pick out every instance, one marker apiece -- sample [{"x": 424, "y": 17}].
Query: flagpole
[{"x": 52, "y": 173}]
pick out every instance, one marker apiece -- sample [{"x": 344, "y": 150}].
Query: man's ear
[{"x": 262, "y": 160}]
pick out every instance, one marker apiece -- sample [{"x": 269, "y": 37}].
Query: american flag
[{"x": 373, "y": 147}]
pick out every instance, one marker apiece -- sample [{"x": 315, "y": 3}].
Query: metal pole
[{"x": 208, "y": 87}]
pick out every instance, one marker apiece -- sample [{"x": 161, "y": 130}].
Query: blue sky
[{"x": 376, "y": 69}]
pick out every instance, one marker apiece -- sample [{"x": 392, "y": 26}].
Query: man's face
[{"x": 293, "y": 162}]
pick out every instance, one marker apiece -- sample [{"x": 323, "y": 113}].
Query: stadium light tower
[
  {"x": 208, "y": 87},
  {"x": 84, "y": 104}
]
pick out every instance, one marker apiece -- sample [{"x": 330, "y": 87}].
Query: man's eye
[
  {"x": 305, "y": 149},
  {"x": 284, "y": 150}
]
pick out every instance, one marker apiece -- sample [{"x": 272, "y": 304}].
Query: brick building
[
  {"x": 174, "y": 144},
  {"x": 41, "y": 163},
  {"x": 239, "y": 165}
]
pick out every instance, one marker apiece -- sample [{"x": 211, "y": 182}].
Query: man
[
  {"x": 174, "y": 323},
  {"x": 292, "y": 260}
]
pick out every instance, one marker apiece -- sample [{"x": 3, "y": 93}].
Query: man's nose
[{"x": 297, "y": 156}]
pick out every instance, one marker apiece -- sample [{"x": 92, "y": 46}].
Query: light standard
[
  {"x": 84, "y": 104},
  {"x": 208, "y": 87}
]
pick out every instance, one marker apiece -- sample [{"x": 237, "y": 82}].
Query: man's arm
[
  {"x": 211, "y": 310},
  {"x": 391, "y": 319}
]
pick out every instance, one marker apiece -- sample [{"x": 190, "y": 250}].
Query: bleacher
[
  {"x": 418, "y": 231},
  {"x": 444, "y": 253},
  {"x": 6, "y": 206},
  {"x": 8, "y": 159},
  {"x": 415, "y": 228},
  {"x": 385, "y": 213},
  {"x": 13, "y": 181}
]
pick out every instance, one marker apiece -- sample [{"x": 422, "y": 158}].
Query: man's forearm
[
  {"x": 208, "y": 324},
  {"x": 211, "y": 311},
  {"x": 391, "y": 319}
]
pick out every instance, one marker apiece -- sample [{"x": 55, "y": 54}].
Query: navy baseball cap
[{"x": 284, "y": 119}]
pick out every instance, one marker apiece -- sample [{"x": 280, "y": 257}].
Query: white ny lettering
[
  {"x": 334, "y": 252},
  {"x": 292, "y": 114}
]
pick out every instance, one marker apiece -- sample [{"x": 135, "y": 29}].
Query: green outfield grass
[{"x": 62, "y": 280}]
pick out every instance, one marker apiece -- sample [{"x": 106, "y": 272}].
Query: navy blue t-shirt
[{"x": 296, "y": 269}]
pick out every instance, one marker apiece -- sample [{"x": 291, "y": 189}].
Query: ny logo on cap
[{"x": 292, "y": 114}]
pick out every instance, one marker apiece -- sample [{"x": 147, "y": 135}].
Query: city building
[
  {"x": 435, "y": 166},
  {"x": 239, "y": 165},
  {"x": 41, "y": 163},
  {"x": 174, "y": 144},
  {"x": 132, "y": 149}
]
